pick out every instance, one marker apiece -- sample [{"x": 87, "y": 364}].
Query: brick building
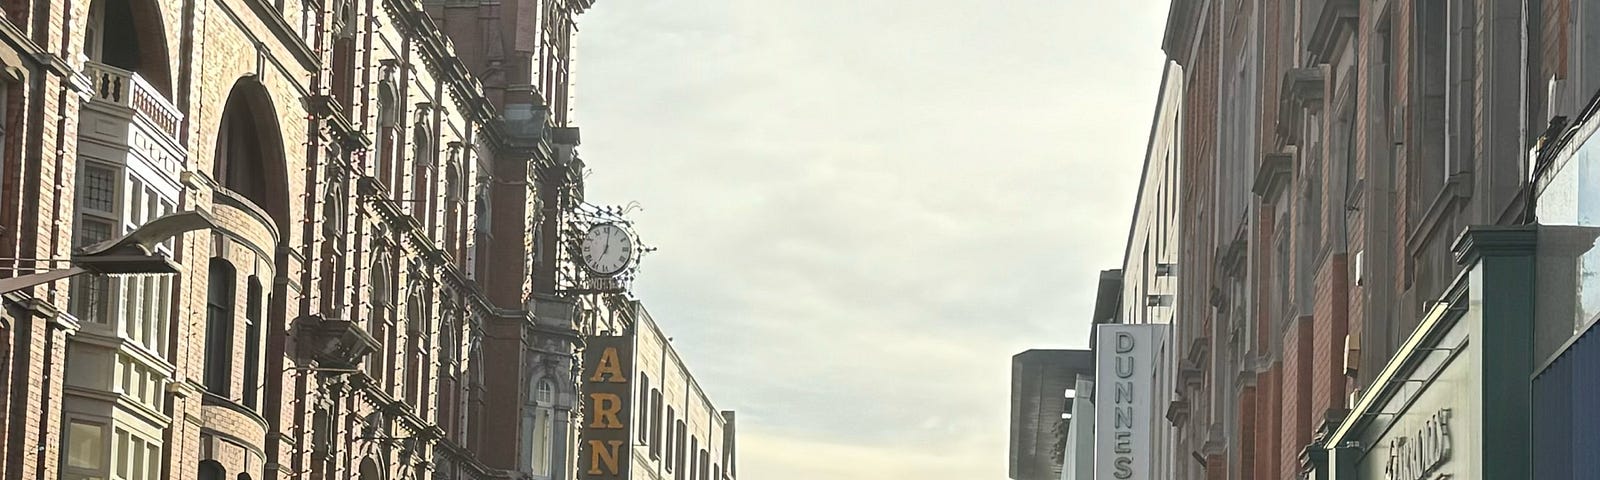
[
  {"x": 1332, "y": 153},
  {"x": 389, "y": 292}
]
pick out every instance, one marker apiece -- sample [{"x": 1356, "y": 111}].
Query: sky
[{"x": 864, "y": 208}]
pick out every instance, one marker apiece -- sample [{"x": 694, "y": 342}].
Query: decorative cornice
[
  {"x": 1337, "y": 18},
  {"x": 1480, "y": 241},
  {"x": 1178, "y": 412},
  {"x": 1272, "y": 176},
  {"x": 344, "y": 131}
]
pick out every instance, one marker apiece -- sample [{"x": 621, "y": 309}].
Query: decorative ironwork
[{"x": 572, "y": 278}]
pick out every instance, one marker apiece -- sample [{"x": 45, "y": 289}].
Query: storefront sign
[
  {"x": 607, "y": 365},
  {"x": 1124, "y": 361},
  {"x": 1417, "y": 456}
]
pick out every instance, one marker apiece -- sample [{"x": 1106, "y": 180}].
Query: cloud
[{"x": 865, "y": 208}]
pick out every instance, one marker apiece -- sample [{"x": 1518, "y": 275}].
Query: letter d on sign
[{"x": 1124, "y": 342}]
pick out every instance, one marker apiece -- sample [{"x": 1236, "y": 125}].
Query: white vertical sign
[{"x": 1124, "y": 372}]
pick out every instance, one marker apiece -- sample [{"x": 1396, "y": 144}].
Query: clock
[{"x": 607, "y": 249}]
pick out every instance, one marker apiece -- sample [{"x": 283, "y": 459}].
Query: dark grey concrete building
[{"x": 1041, "y": 390}]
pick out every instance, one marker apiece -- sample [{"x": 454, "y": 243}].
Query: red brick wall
[
  {"x": 1329, "y": 329},
  {"x": 1297, "y": 376},
  {"x": 1269, "y": 416},
  {"x": 1249, "y": 434}
]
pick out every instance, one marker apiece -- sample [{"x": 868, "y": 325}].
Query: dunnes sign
[
  {"x": 607, "y": 392},
  {"x": 1124, "y": 373},
  {"x": 1421, "y": 453}
]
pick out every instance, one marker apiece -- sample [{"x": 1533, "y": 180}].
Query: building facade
[
  {"x": 395, "y": 187},
  {"x": 1369, "y": 190},
  {"x": 1042, "y": 394}
]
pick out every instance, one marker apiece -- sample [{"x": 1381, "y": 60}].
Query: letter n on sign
[{"x": 604, "y": 452}]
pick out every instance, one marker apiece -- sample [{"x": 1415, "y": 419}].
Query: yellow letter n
[{"x": 604, "y": 453}]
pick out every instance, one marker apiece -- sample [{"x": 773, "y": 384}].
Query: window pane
[
  {"x": 152, "y": 464},
  {"x": 99, "y": 188},
  {"x": 138, "y": 460},
  {"x": 135, "y": 201},
  {"x": 124, "y": 454},
  {"x": 85, "y": 445},
  {"x": 92, "y": 231}
]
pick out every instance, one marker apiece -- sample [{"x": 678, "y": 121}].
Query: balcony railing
[{"x": 124, "y": 88}]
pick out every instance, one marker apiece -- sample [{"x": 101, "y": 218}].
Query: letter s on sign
[{"x": 1124, "y": 468}]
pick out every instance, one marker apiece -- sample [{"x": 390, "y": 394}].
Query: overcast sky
[{"x": 864, "y": 208}]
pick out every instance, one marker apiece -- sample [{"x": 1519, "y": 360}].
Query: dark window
[
  {"x": 677, "y": 453},
  {"x": 219, "y": 327},
  {"x": 672, "y": 416},
  {"x": 644, "y": 408},
  {"x": 211, "y": 470},
  {"x": 655, "y": 424},
  {"x": 252, "y": 343}
]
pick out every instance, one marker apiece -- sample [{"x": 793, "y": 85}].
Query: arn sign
[
  {"x": 607, "y": 363},
  {"x": 1124, "y": 370}
]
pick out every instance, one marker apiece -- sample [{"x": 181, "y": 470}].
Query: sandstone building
[{"x": 389, "y": 292}]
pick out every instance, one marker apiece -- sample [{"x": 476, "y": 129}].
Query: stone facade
[{"x": 389, "y": 292}]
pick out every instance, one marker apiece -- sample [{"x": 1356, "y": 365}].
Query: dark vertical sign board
[{"x": 607, "y": 393}]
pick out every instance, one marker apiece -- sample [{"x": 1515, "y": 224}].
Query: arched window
[
  {"x": 219, "y": 327},
  {"x": 416, "y": 343},
  {"x": 334, "y": 199},
  {"x": 344, "y": 53},
  {"x": 545, "y": 393},
  {"x": 239, "y": 165},
  {"x": 389, "y": 127},
  {"x": 453, "y": 196},
  {"x": 537, "y": 418},
  {"x": 422, "y": 171},
  {"x": 369, "y": 470},
  {"x": 382, "y": 295},
  {"x": 131, "y": 39}
]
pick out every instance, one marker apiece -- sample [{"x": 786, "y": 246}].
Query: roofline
[
  {"x": 642, "y": 316},
  {"x": 1149, "y": 146}
]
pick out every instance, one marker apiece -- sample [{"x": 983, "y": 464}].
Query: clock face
[{"x": 607, "y": 249}]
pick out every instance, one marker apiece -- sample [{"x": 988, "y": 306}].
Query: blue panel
[{"x": 1566, "y": 423}]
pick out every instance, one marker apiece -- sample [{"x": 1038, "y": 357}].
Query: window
[
  {"x": 92, "y": 295},
  {"x": 655, "y": 424},
  {"x": 211, "y": 470},
  {"x": 672, "y": 418},
  {"x": 694, "y": 458},
  {"x": 452, "y": 202},
  {"x": 137, "y": 458},
  {"x": 644, "y": 408},
  {"x": 545, "y": 393},
  {"x": 344, "y": 53},
  {"x": 85, "y": 450},
  {"x": 677, "y": 453},
  {"x": 219, "y": 327},
  {"x": 538, "y": 418},
  {"x": 252, "y": 343}
]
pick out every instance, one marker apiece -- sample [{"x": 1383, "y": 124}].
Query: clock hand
[{"x": 608, "y": 243}]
